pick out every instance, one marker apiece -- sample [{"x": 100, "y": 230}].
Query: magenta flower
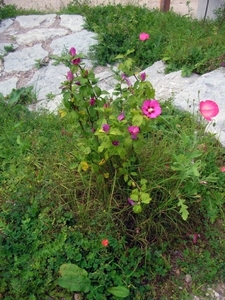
[
  {"x": 130, "y": 201},
  {"x": 124, "y": 77},
  {"x": 73, "y": 51},
  {"x": 144, "y": 36},
  {"x": 106, "y": 127},
  {"x": 143, "y": 76},
  {"x": 209, "y": 109},
  {"x": 133, "y": 130},
  {"x": 151, "y": 108},
  {"x": 69, "y": 76},
  {"x": 92, "y": 101},
  {"x": 121, "y": 116},
  {"x": 115, "y": 143},
  {"x": 76, "y": 61}
]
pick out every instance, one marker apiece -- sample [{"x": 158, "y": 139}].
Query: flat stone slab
[
  {"x": 36, "y": 20},
  {"x": 40, "y": 35},
  {"x": 24, "y": 60},
  {"x": 6, "y": 86},
  {"x": 73, "y": 22},
  {"x": 167, "y": 85},
  {"x": 48, "y": 80},
  {"x": 5, "y": 24},
  {"x": 81, "y": 40},
  {"x": 3, "y": 45}
]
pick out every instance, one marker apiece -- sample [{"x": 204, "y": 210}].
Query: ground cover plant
[{"x": 118, "y": 196}]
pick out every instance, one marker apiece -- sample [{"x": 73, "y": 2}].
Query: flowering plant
[{"x": 112, "y": 129}]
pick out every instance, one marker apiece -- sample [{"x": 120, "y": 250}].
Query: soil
[{"x": 179, "y": 6}]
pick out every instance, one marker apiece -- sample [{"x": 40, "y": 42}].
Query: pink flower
[
  {"x": 130, "y": 201},
  {"x": 115, "y": 143},
  {"x": 106, "y": 127},
  {"x": 143, "y": 36},
  {"x": 133, "y": 129},
  {"x": 105, "y": 243},
  {"x": 209, "y": 109},
  {"x": 92, "y": 101},
  {"x": 222, "y": 169},
  {"x": 121, "y": 116},
  {"x": 124, "y": 77},
  {"x": 69, "y": 76},
  {"x": 73, "y": 51},
  {"x": 76, "y": 61},
  {"x": 151, "y": 108},
  {"x": 143, "y": 76}
]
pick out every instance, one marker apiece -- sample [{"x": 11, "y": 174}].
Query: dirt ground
[{"x": 179, "y": 6}]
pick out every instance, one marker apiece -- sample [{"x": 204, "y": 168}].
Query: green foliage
[
  {"x": 8, "y": 11},
  {"x": 183, "y": 43},
  {"x": 73, "y": 278},
  {"x": 24, "y": 95}
]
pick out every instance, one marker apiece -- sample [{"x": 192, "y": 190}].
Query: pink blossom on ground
[
  {"x": 143, "y": 36},
  {"x": 151, "y": 108},
  {"x": 222, "y": 169},
  {"x": 121, "y": 116},
  {"x": 208, "y": 109},
  {"x": 69, "y": 76},
  {"x": 73, "y": 51},
  {"x": 105, "y": 243},
  {"x": 106, "y": 127}
]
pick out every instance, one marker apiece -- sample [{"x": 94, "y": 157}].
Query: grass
[{"x": 51, "y": 214}]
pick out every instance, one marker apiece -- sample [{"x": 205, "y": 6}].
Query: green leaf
[
  {"x": 74, "y": 278},
  {"x": 87, "y": 150},
  {"x": 73, "y": 283},
  {"x": 119, "y": 56},
  {"x": 137, "y": 120},
  {"x": 137, "y": 209},
  {"x": 129, "y": 51},
  {"x": 145, "y": 198},
  {"x": 119, "y": 291},
  {"x": 71, "y": 269},
  {"x": 183, "y": 209},
  {"x": 97, "y": 90},
  {"x": 115, "y": 131}
]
